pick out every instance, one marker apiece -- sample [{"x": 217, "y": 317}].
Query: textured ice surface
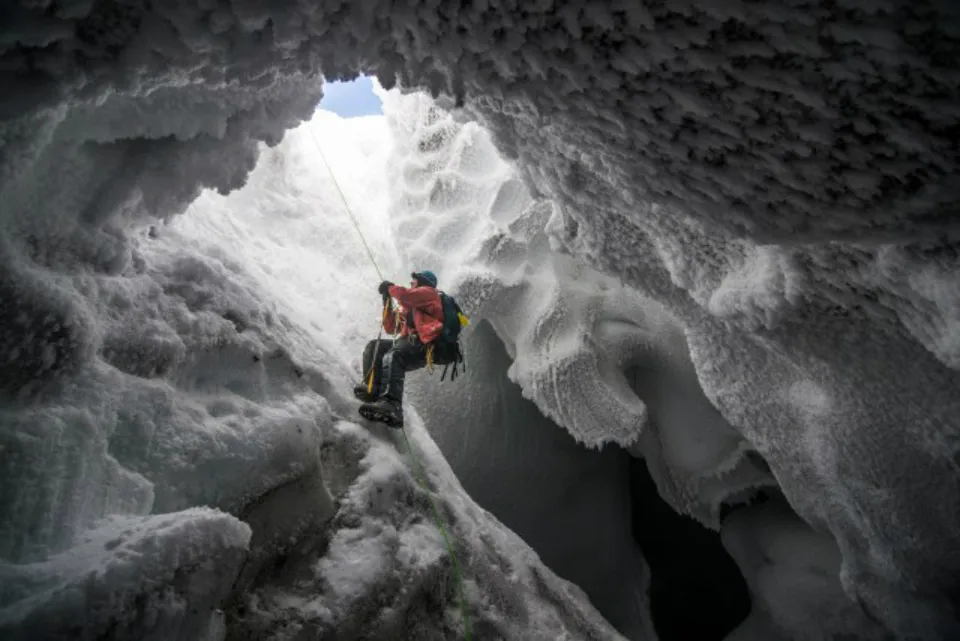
[
  {"x": 622, "y": 354},
  {"x": 780, "y": 177},
  {"x": 226, "y": 343},
  {"x": 386, "y": 572},
  {"x": 793, "y": 575},
  {"x": 605, "y": 363},
  {"x": 572, "y": 506},
  {"x": 156, "y": 577}
]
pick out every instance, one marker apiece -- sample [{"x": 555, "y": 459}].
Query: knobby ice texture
[
  {"x": 565, "y": 327},
  {"x": 779, "y": 177},
  {"x": 385, "y": 572},
  {"x": 223, "y": 349}
]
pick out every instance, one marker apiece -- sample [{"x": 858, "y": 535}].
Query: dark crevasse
[
  {"x": 587, "y": 513},
  {"x": 569, "y": 503},
  {"x": 696, "y": 590}
]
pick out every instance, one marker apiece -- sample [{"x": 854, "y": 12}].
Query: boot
[
  {"x": 386, "y": 410},
  {"x": 360, "y": 391}
]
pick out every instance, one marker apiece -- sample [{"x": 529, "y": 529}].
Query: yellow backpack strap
[
  {"x": 430, "y": 358},
  {"x": 373, "y": 365}
]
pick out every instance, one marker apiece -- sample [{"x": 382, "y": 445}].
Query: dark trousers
[{"x": 393, "y": 361}]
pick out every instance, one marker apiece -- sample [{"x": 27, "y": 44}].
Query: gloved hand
[{"x": 384, "y": 289}]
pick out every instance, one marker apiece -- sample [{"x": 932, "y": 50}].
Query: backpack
[{"x": 454, "y": 321}]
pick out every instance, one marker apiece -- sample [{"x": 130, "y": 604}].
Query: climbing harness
[
  {"x": 457, "y": 364},
  {"x": 418, "y": 470}
]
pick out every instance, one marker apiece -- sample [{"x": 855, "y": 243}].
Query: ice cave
[{"x": 710, "y": 250}]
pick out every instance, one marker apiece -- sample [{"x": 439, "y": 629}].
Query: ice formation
[
  {"x": 226, "y": 347},
  {"x": 727, "y": 242}
]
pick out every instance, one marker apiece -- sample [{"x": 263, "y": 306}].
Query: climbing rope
[
  {"x": 418, "y": 469},
  {"x": 376, "y": 350},
  {"x": 345, "y": 204},
  {"x": 421, "y": 479}
]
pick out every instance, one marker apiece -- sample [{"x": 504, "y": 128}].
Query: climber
[{"x": 419, "y": 320}]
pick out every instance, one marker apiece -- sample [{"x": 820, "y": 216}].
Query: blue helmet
[{"x": 426, "y": 277}]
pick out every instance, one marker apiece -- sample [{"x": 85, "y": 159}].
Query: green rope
[
  {"x": 344, "y": 199},
  {"x": 421, "y": 479},
  {"x": 418, "y": 471}
]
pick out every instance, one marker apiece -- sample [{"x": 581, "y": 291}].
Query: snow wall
[
  {"x": 759, "y": 195},
  {"x": 614, "y": 368},
  {"x": 202, "y": 475}
]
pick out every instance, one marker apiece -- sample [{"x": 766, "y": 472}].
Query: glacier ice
[
  {"x": 793, "y": 575},
  {"x": 155, "y": 577},
  {"x": 384, "y": 572},
  {"x": 574, "y": 506},
  {"x": 226, "y": 341},
  {"x": 777, "y": 179},
  {"x": 626, "y": 345}
]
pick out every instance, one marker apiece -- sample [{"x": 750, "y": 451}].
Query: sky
[{"x": 349, "y": 99}]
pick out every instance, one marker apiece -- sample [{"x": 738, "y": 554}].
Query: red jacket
[{"x": 427, "y": 312}]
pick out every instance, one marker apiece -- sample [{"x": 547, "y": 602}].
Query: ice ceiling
[{"x": 774, "y": 183}]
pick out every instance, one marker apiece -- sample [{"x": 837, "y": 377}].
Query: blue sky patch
[{"x": 349, "y": 99}]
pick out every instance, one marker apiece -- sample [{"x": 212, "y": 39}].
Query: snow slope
[{"x": 385, "y": 572}]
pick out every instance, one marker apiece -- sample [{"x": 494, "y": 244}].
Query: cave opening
[{"x": 697, "y": 592}]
